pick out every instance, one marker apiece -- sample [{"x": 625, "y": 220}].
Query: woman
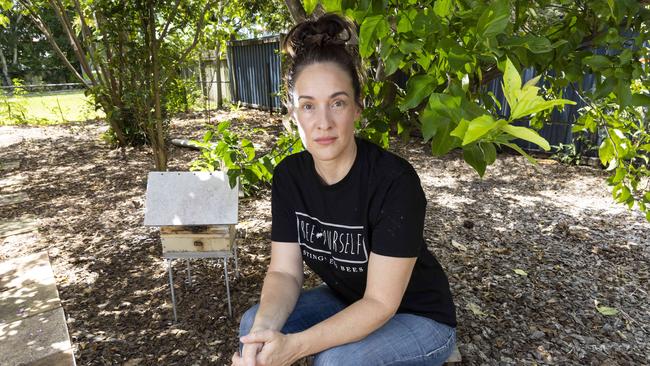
[{"x": 354, "y": 213}]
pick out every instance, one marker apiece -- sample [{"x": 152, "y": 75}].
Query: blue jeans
[{"x": 406, "y": 339}]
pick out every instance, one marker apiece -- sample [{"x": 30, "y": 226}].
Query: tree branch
[
  {"x": 36, "y": 19},
  {"x": 76, "y": 45},
  {"x": 195, "y": 41},
  {"x": 163, "y": 34}
]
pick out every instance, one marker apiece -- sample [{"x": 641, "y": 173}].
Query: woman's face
[{"x": 325, "y": 110}]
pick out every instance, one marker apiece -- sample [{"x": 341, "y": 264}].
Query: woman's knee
[
  {"x": 343, "y": 356},
  {"x": 246, "y": 322}
]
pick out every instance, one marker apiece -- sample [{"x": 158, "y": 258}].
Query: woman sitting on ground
[{"x": 354, "y": 213}]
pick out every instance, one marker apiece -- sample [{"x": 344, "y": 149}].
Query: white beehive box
[{"x": 196, "y": 212}]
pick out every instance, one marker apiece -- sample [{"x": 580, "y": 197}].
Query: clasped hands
[{"x": 267, "y": 348}]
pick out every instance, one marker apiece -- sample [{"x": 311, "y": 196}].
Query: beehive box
[
  {"x": 196, "y": 211},
  {"x": 215, "y": 238}
]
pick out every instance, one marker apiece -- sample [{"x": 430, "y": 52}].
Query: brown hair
[{"x": 329, "y": 38}]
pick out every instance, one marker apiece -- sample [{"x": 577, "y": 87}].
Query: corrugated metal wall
[{"x": 256, "y": 72}]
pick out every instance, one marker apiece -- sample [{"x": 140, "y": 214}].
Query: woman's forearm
[
  {"x": 280, "y": 293},
  {"x": 351, "y": 324}
]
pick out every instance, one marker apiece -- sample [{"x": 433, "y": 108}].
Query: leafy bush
[
  {"x": 182, "y": 95},
  {"x": 225, "y": 150},
  {"x": 13, "y": 107}
]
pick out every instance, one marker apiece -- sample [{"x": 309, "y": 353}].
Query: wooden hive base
[{"x": 208, "y": 238}]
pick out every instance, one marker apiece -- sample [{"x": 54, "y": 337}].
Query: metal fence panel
[{"x": 256, "y": 72}]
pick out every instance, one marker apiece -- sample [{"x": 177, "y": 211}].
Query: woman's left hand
[{"x": 278, "y": 350}]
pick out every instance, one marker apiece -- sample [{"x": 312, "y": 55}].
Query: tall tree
[{"x": 129, "y": 52}]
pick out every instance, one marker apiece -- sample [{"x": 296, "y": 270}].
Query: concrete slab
[
  {"x": 13, "y": 198},
  {"x": 13, "y": 180},
  {"x": 17, "y": 226},
  {"x": 9, "y": 165},
  {"x": 65, "y": 358},
  {"x": 34, "y": 338},
  {"x": 27, "y": 287}
]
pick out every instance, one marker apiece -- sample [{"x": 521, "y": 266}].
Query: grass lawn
[{"x": 51, "y": 108}]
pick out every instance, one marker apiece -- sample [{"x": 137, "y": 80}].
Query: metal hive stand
[
  {"x": 197, "y": 212},
  {"x": 225, "y": 255}
]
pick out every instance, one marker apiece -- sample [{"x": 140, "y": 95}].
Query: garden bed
[{"x": 529, "y": 252}]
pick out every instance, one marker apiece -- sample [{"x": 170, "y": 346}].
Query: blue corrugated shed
[{"x": 256, "y": 72}]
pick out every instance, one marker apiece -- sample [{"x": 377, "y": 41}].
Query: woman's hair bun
[
  {"x": 328, "y": 38},
  {"x": 328, "y": 30}
]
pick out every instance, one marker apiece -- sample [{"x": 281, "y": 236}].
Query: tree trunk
[
  {"x": 158, "y": 137},
  {"x": 5, "y": 69},
  {"x": 14, "y": 59},
  {"x": 296, "y": 10},
  {"x": 218, "y": 67}
]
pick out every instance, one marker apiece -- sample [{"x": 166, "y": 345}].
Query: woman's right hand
[{"x": 248, "y": 356}]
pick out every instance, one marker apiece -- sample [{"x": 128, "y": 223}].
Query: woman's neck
[{"x": 333, "y": 171}]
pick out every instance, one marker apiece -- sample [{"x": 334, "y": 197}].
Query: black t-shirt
[{"x": 378, "y": 207}]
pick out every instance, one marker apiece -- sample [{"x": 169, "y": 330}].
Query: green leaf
[
  {"x": 461, "y": 129},
  {"x": 438, "y": 121},
  {"x": 404, "y": 23},
  {"x": 418, "y": 88},
  {"x": 521, "y": 151},
  {"x": 526, "y": 106},
  {"x": 368, "y": 34},
  {"x": 640, "y": 100},
  {"x": 511, "y": 83},
  {"x": 526, "y": 134},
  {"x": 597, "y": 62},
  {"x": 407, "y": 46},
  {"x": 249, "y": 149},
  {"x": 222, "y": 126},
  {"x": 442, "y": 142},
  {"x": 392, "y": 63},
  {"x": 494, "y": 20},
  {"x": 623, "y": 93},
  {"x": 4, "y": 21},
  {"x": 606, "y": 310},
  {"x": 332, "y": 6},
  {"x": 310, "y": 6},
  {"x": 619, "y": 176},
  {"x": 478, "y": 127},
  {"x": 606, "y": 151},
  {"x": 532, "y": 82},
  {"x": 532, "y": 43},
  {"x": 442, "y": 8},
  {"x": 473, "y": 155},
  {"x": 520, "y": 272},
  {"x": 489, "y": 151},
  {"x": 494, "y": 99}
]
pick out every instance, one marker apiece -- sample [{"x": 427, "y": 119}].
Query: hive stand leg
[
  {"x": 189, "y": 273},
  {"x": 171, "y": 286},
  {"x": 236, "y": 261},
  {"x": 225, "y": 271}
]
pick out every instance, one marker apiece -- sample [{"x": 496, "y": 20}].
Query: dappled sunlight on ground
[{"x": 556, "y": 223}]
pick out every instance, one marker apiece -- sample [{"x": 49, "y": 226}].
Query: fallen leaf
[
  {"x": 520, "y": 272},
  {"x": 458, "y": 245},
  {"x": 475, "y": 309},
  {"x": 606, "y": 310}
]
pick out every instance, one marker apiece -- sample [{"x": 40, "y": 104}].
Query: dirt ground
[{"x": 555, "y": 223}]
